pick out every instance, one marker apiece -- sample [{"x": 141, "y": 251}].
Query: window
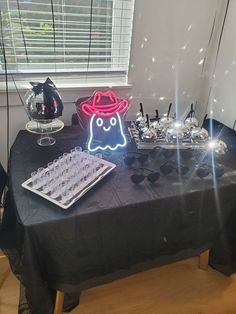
[{"x": 66, "y": 35}]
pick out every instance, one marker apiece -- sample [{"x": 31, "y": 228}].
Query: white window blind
[{"x": 66, "y": 35}]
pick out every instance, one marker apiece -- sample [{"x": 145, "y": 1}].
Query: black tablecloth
[{"x": 114, "y": 227}]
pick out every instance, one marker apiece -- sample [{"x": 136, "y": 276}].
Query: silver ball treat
[
  {"x": 219, "y": 147},
  {"x": 191, "y": 122},
  {"x": 149, "y": 135},
  {"x": 199, "y": 135},
  {"x": 175, "y": 132},
  {"x": 165, "y": 122}
]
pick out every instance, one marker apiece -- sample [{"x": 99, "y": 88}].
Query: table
[{"x": 117, "y": 228}]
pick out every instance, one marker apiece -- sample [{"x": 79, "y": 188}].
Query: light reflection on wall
[
  {"x": 169, "y": 46},
  {"x": 222, "y": 100}
]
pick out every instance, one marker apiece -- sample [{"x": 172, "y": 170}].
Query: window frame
[{"x": 106, "y": 75}]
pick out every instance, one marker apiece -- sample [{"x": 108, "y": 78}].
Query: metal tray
[{"x": 161, "y": 142}]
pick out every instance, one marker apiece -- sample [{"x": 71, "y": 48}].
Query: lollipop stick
[
  {"x": 191, "y": 111},
  {"x": 204, "y": 120},
  {"x": 190, "y": 114},
  {"x": 234, "y": 125},
  {"x": 168, "y": 113},
  {"x": 147, "y": 117},
  {"x": 141, "y": 109}
]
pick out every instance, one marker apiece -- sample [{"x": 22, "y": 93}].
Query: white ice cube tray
[{"x": 74, "y": 179}]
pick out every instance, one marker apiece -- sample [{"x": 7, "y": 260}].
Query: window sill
[{"x": 63, "y": 85}]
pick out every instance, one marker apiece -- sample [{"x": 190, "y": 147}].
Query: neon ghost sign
[{"x": 105, "y": 127}]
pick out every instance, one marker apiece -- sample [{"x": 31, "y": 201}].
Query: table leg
[
  {"x": 204, "y": 260},
  {"x": 4, "y": 276},
  {"x": 58, "y": 309}
]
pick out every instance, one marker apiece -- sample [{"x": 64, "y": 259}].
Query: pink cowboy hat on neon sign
[
  {"x": 105, "y": 127},
  {"x": 111, "y": 106}
]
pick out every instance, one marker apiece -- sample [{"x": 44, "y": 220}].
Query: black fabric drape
[
  {"x": 223, "y": 253},
  {"x": 115, "y": 229}
]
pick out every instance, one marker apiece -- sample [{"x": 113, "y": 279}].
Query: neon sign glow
[{"x": 106, "y": 131}]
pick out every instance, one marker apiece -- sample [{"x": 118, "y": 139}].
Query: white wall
[
  {"x": 170, "y": 41},
  {"x": 222, "y": 102}
]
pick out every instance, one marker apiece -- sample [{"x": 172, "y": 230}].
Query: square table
[{"x": 115, "y": 228}]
